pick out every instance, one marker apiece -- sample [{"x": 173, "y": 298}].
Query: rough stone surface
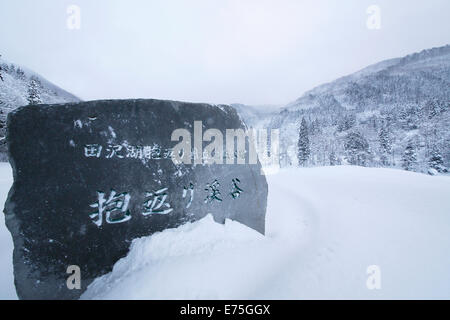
[{"x": 74, "y": 204}]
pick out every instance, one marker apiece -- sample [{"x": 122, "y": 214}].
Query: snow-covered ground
[
  {"x": 7, "y": 290},
  {"x": 325, "y": 226}
]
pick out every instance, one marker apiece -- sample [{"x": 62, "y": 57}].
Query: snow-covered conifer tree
[
  {"x": 357, "y": 151},
  {"x": 33, "y": 92},
  {"x": 409, "y": 158},
  {"x": 333, "y": 159},
  {"x": 20, "y": 74},
  {"x": 304, "y": 150},
  {"x": 385, "y": 141},
  {"x": 436, "y": 161}
]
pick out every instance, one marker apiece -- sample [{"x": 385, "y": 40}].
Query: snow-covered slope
[
  {"x": 14, "y": 93},
  {"x": 412, "y": 79},
  {"x": 325, "y": 227},
  {"x": 14, "y": 88},
  {"x": 405, "y": 101}
]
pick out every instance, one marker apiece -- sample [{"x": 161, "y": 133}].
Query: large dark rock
[{"x": 91, "y": 177}]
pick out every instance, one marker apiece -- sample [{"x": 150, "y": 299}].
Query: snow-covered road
[{"x": 324, "y": 226}]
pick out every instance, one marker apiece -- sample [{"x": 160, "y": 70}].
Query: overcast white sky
[{"x": 218, "y": 51}]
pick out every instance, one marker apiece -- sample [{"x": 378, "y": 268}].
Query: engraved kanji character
[
  {"x": 115, "y": 208},
  {"x": 235, "y": 189},
  {"x": 134, "y": 152},
  {"x": 92, "y": 150},
  {"x": 189, "y": 189},
  {"x": 213, "y": 192},
  {"x": 114, "y": 151},
  {"x": 156, "y": 204}
]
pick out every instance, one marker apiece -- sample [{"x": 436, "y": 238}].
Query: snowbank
[{"x": 325, "y": 226}]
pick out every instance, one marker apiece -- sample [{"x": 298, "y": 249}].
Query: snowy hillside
[
  {"x": 415, "y": 78},
  {"x": 391, "y": 114},
  {"x": 15, "y": 91}
]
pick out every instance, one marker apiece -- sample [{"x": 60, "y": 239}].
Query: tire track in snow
[{"x": 295, "y": 242}]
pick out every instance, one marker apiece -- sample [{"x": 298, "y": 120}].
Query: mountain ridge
[
  {"x": 379, "y": 68},
  {"x": 378, "y": 116},
  {"x": 15, "y": 91}
]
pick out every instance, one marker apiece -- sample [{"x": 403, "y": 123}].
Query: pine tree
[
  {"x": 20, "y": 74},
  {"x": 33, "y": 93},
  {"x": 409, "y": 159},
  {"x": 357, "y": 150},
  {"x": 315, "y": 127},
  {"x": 333, "y": 159},
  {"x": 304, "y": 149},
  {"x": 430, "y": 109},
  {"x": 385, "y": 145},
  {"x": 436, "y": 160},
  {"x": 410, "y": 117},
  {"x": 347, "y": 122}
]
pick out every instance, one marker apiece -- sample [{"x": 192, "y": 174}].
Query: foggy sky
[{"x": 217, "y": 51}]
